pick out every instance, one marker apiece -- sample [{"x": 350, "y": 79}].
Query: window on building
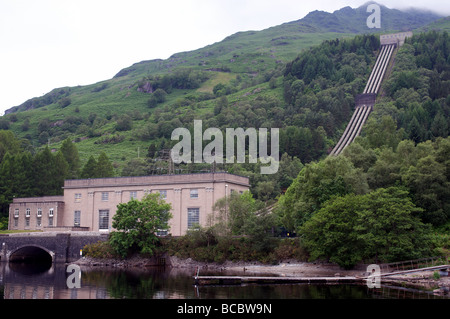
[
  {"x": 16, "y": 213},
  {"x": 50, "y": 220},
  {"x": 133, "y": 195},
  {"x": 160, "y": 232},
  {"x": 77, "y": 218},
  {"x": 28, "y": 212},
  {"x": 50, "y": 212},
  {"x": 27, "y": 222},
  {"x": 16, "y": 222},
  {"x": 194, "y": 193},
  {"x": 38, "y": 221},
  {"x": 193, "y": 217},
  {"x": 105, "y": 196},
  {"x": 39, "y": 212},
  {"x": 163, "y": 193},
  {"x": 77, "y": 198},
  {"x": 103, "y": 219}
]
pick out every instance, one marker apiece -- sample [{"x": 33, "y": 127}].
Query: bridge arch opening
[{"x": 35, "y": 256}]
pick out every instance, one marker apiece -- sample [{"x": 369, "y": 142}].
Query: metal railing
[{"x": 415, "y": 264}]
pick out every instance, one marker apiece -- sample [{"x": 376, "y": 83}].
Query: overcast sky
[{"x": 47, "y": 44}]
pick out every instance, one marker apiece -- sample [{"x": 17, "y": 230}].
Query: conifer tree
[
  {"x": 49, "y": 173},
  {"x": 104, "y": 166},
  {"x": 70, "y": 153},
  {"x": 89, "y": 169}
]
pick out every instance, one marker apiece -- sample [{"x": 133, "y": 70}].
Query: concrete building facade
[
  {"x": 90, "y": 204},
  {"x": 395, "y": 38}
]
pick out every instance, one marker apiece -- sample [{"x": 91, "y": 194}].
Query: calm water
[{"x": 21, "y": 281}]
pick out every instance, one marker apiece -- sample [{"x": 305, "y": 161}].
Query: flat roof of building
[
  {"x": 43, "y": 199},
  {"x": 157, "y": 180}
]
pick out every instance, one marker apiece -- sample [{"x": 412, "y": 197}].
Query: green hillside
[{"x": 117, "y": 117}]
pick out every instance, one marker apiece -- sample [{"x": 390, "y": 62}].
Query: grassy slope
[{"x": 246, "y": 58}]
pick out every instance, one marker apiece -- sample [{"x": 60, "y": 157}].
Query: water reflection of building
[
  {"x": 28, "y": 291},
  {"x": 21, "y": 281}
]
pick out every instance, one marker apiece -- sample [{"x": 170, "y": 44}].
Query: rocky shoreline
[{"x": 421, "y": 280}]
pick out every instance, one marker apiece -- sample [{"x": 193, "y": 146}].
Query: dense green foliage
[
  {"x": 242, "y": 215},
  {"x": 243, "y": 231},
  {"x": 25, "y": 173},
  {"x": 378, "y": 226},
  {"x": 404, "y": 144},
  {"x": 366, "y": 184},
  {"x": 319, "y": 88},
  {"x": 418, "y": 90},
  {"x": 136, "y": 224}
]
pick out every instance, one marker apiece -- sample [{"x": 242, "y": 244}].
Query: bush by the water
[{"x": 203, "y": 245}]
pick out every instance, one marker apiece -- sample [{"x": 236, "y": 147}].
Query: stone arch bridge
[{"x": 55, "y": 247}]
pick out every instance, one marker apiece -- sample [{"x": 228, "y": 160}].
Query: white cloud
[{"x": 51, "y": 43}]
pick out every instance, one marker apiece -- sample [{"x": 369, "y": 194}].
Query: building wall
[
  {"x": 86, "y": 199},
  {"x": 395, "y": 38},
  {"x": 23, "y": 221}
]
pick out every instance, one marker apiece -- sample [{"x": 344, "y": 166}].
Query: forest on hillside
[{"x": 384, "y": 197}]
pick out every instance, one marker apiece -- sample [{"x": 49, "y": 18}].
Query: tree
[
  {"x": 10, "y": 180},
  {"x": 242, "y": 215},
  {"x": 439, "y": 127},
  {"x": 234, "y": 210},
  {"x": 16, "y": 179},
  {"x": 99, "y": 168},
  {"x": 8, "y": 143},
  {"x": 219, "y": 89},
  {"x": 221, "y": 104},
  {"x": 124, "y": 123},
  {"x": 49, "y": 172},
  {"x": 90, "y": 168},
  {"x": 379, "y": 226},
  {"x": 386, "y": 170},
  {"x": 64, "y": 102},
  {"x": 152, "y": 101},
  {"x": 380, "y": 132},
  {"x": 70, "y": 153},
  {"x": 135, "y": 167},
  {"x": 60, "y": 171},
  {"x": 430, "y": 189},
  {"x": 160, "y": 95},
  {"x": 315, "y": 184},
  {"x": 151, "y": 152},
  {"x": 104, "y": 166},
  {"x": 416, "y": 131},
  {"x": 136, "y": 224}
]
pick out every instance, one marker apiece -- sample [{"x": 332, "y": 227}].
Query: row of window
[
  {"x": 103, "y": 218},
  {"x": 38, "y": 221},
  {"x": 193, "y": 218},
  {"x": 28, "y": 212},
  {"x": 133, "y": 195}
]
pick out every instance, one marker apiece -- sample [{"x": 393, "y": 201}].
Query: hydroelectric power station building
[{"x": 90, "y": 204}]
